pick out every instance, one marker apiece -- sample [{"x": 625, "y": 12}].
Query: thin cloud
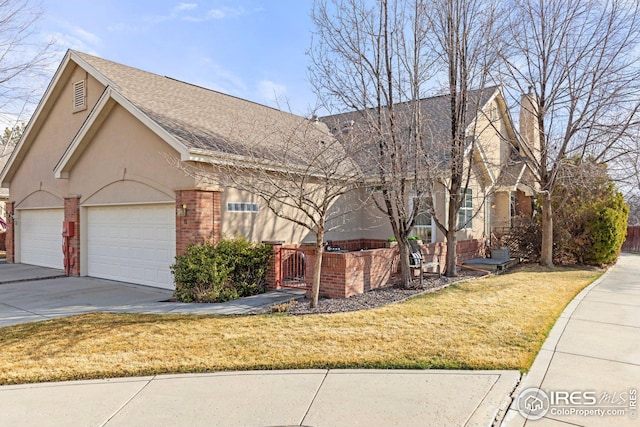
[
  {"x": 217, "y": 14},
  {"x": 272, "y": 93},
  {"x": 75, "y": 37},
  {"x": 185, "y": 6}
]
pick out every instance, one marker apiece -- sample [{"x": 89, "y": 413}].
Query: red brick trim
[
  {"x": 10, "y": 236},
  {"x": 72, "y": 214},
  {"x": 201, "y": 220}
]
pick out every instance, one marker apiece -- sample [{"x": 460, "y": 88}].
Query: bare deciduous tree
[
  {"x": 23, "y": 56},
  {"x": 579, "y": 62},
  {"x": 296, "y": 167},
  {"x": 465, "y": 39},
  {"x": 377, "y": 59},
  {"x": 373, "y": 61}
]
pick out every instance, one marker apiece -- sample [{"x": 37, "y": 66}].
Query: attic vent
[{"x": 79, "y": 96}]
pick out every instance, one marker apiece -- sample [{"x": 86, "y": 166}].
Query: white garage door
[
  {"x": 133, "y": 244},
  {"x": 41, "y": 237}
]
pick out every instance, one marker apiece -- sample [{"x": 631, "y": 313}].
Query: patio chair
[{"x": 418, "y": 261}]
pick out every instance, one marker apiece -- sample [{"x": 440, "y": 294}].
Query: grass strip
[{"x": 495, "y": 323}]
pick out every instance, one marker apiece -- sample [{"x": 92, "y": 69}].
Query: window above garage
[{"x": 243, "y": 207}]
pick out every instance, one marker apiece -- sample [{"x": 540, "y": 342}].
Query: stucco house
[
  {"x": 499, "y": 188},
  {"x": 97, "y": 161}
]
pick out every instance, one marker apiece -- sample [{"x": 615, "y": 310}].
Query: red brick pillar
[
  {"x": 72, "y": 214},
  {"x": 273, "y": 273},
  {"x": 309, "y": 263},
  {"x": 197, "y": 218},
  {"x": 10, "y": 236}
]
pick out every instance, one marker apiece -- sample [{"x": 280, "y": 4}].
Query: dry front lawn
[{"x": 494, "y": 323}]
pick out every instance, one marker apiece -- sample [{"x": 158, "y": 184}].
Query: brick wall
[
  {"x": 351, "y": 273},
  {"x": 468, "y": 249},
  {"x": 9, "y": 240},
  {"x": 72, "y": 213},
  {"x": 201, "y": 223}
]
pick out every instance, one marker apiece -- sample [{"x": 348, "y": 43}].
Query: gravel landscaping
[{"x": 377, "y": 297}]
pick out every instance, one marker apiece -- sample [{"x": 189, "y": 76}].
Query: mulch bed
[{"x": 378, "y": 297}]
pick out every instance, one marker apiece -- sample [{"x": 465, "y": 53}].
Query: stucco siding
[
  {"x": 35, "y": 173},
  {"x": 125, "y": 162}
]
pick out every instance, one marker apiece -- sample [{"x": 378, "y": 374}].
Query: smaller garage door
[
  {"x": 41, "y": 237},
  {"x": 132, "y": 243}
]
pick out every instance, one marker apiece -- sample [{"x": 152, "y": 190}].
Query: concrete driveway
[{"x": 30, "y": 294}]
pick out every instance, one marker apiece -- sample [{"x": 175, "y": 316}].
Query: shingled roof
[
  {"x": 201, "y": 118},
  {"x": 436, "y": 114},
  {"x": 355, "y": 126}
]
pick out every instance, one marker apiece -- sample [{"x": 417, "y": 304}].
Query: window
[
  {"x": 79, "y": 96},
  {"x": 373, "y": 189},
  {"x": 494, "y": 112},
  {"x": 423, "y": 226},
  {"x": 465, "y": 215},
  {"x": 242, "y": 207},
  {"x": 512, "y": 207}
]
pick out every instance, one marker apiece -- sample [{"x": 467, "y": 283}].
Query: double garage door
[{"x": 133, "y": 244}]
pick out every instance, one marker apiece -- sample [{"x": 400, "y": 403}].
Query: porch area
[{"x": 351, "y": 267}]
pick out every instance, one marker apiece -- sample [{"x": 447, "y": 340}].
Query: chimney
[{"x": 529, "y": 132}]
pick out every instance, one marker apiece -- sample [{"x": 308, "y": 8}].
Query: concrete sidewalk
[
  {"x": 319, "y": 398},
  {"x": 594, "y": 347}
]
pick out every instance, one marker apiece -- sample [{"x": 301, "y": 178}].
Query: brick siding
[
  {"x": 72, "y": 213},
  {"x": 9, "y": 240},
  {"x": 202, "y": 220}
]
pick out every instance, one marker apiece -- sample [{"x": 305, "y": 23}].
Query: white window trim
[
  {"x": 433, "y": 228},
  {"x": 468, "y": 211}
]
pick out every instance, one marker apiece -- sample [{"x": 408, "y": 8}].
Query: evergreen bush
[{"x": 230, "y": 269}]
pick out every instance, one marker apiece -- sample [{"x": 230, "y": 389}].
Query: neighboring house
[
  {"x": 497, "y": 193},
  {"x": 100, "y": 155},
  {"x": 4, "y": 197}
]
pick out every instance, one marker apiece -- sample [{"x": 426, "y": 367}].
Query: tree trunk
[
  {"x": 405, "y": 270},
  {"x": 546, "y": 251},
  {"x": 317, "y": 270},
  {"x": 452, "y": 245},
  {"x": 451, "y": 235}
]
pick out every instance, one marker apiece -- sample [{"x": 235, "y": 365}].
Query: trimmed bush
[
  {"x": 607, "y": 230},
  {"x": 225, "y": 271}
]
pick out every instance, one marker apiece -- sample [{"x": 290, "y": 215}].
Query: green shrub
[
  {"x": 607, "y": 230},
  {"x": 225, "y": 271},
  {"x": 590, "y": 215}
]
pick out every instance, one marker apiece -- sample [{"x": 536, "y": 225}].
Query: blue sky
[{"x": 253, "y": 49}]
